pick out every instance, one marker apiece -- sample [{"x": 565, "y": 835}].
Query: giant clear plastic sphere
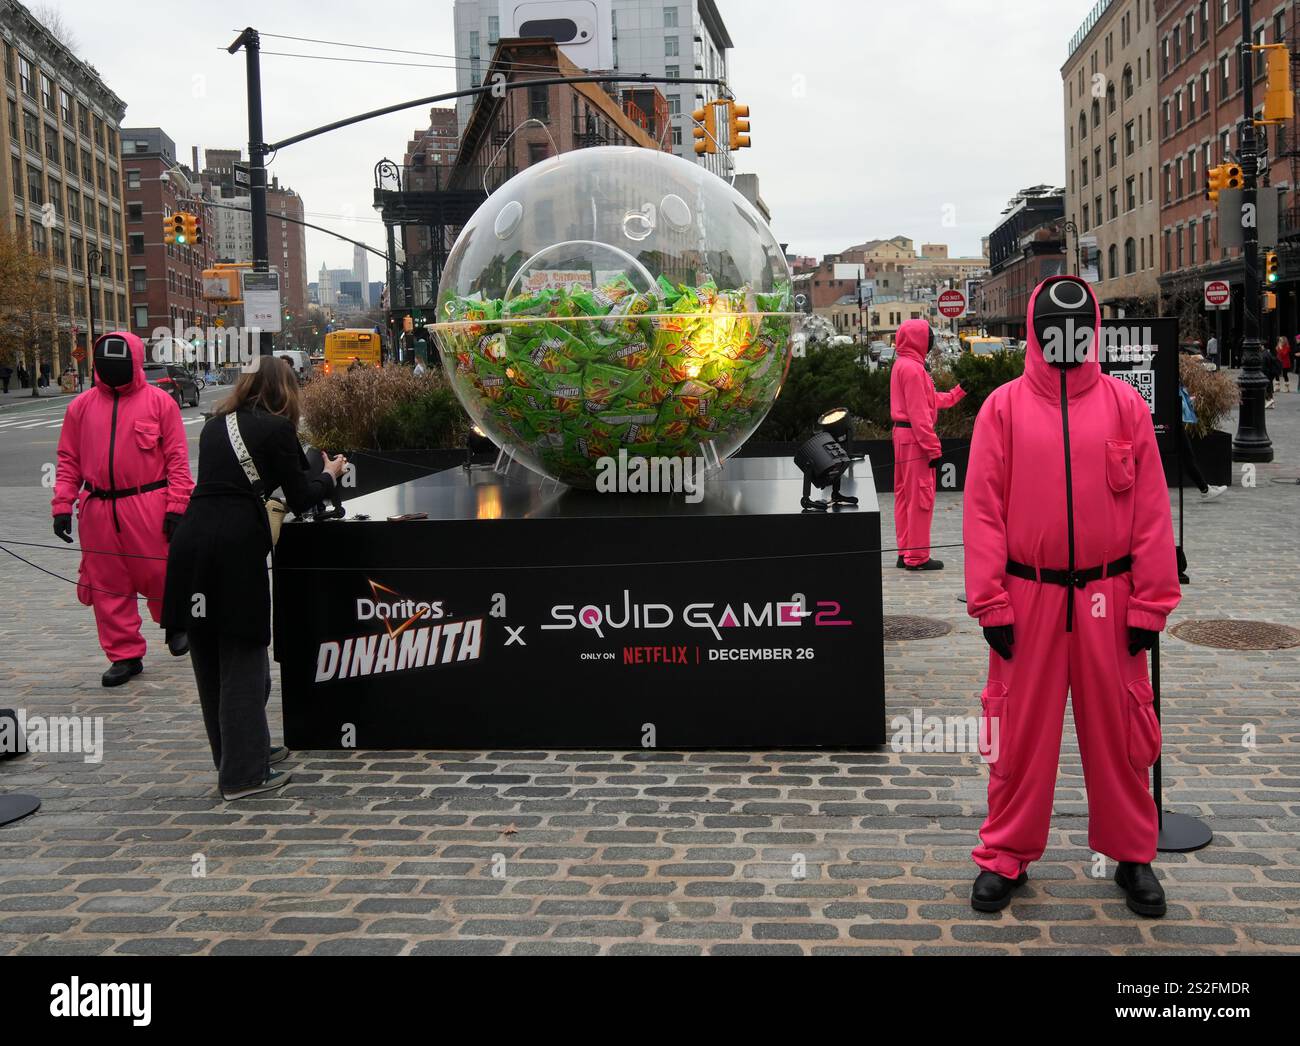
[{"x": 615, "y": 301}]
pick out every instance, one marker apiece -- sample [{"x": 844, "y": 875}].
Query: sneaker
[
  {"x": 275, "y": 780},
  {"x": 1212, "y": 492},
  {"x": 120, "y": 671},
  {"x": 1269, "y": 405},
  {"x": 279, "y": 753}
]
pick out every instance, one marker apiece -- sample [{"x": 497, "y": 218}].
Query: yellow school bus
[{"x": 343, "y": 348}]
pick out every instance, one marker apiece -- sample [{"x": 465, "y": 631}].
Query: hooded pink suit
[
  {"x": 117, "y": 439},
  {"x": 913, "y": 406},
  {"x": 1065, "y": 473}
]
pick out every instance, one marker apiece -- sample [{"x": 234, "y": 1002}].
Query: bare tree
[{"x": 52, "y": 18}]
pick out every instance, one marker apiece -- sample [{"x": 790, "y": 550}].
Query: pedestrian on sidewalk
[
  {"x": 1188, "y": 454},
  {"x": 218, "y": 589},
  {"x": 124, "y": 467},
  {"x": 1212, "y": 350},
  {"x": 1271, "y": 367},
  {"x": 22, "y": 376},
  {"x": 1284, "y": 358},
  {"x": 6, "y": 372},
  {"x": 46, "y": 370}
]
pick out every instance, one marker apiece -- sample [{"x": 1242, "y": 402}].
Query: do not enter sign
[
  {"x": 952, "y": 304},
  {"x": 1217, "y": 293}
]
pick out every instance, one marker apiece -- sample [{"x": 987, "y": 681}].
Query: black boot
[
  {"x": 929, "y": 564},
  {"x": 121, "y": 671},
  {"x": 900, "y": 564},
  {"x": 992, "y": 892},
  {"x": 178, "y": 643},
  {"x": 1143, "y": 892}
]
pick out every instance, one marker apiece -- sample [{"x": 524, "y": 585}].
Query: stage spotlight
[
  {"x": 823, "y": 461},
  {"x": 839, "y": 423}
]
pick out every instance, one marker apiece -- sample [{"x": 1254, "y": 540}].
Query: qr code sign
[{"x": 1142, "y": 380}]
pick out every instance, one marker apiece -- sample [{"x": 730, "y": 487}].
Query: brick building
[
  {"x": 166, "y": 279},
  {"x": 62, "y": 186},
  {"x": 1111, "y": 101},
  {"x": 1026, "y": 248},
  {"x": 1200, "y": 70}
]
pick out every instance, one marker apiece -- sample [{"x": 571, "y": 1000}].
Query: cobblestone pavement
[{"x": 649, "y": 851}]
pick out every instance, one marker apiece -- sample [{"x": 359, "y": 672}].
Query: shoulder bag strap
[{"x": 241, "y": 453}]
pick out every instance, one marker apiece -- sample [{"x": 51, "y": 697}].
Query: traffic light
[
  {"x": 1232, "y": 176},
  {"x": 737, "y": 125},
  {"x": 1271, "y": 268},
  {"x": 197, "y": 237},
  {"x": 706, "y": 130},
  {"x": 169, "y": 230},
  {"x": 178, "y": 228},
  {"x": 1218, "y": 180},
  {"x": 191, "y": 226},
  {"x": 1279, "y": 99},
  {"x": 1270, "y": 301}
]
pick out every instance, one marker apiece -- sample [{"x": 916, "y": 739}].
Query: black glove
[
  {"x": 1001, "y": 638},
  {"x": 170, "y": 522},
  {"x": 63, "y": 526},
  {"x": 1141, "y": 639}
]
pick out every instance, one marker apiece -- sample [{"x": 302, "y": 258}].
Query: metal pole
[
  {"x": 252, "y": 46},
  {"x": 1251, "y": 442}
]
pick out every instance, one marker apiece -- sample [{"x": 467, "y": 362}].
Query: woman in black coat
[{"x": 218, "y": 586}]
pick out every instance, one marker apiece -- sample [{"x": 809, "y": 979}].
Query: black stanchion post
[{"x": 1179, "y": 833}]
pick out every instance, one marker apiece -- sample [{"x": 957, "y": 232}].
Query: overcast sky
[{"x": 871, "y": 118}]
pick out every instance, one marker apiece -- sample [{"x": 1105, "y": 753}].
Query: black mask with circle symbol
[
  {"x": 113, "y": 363},
  {"x": 1065, "y": 321}
]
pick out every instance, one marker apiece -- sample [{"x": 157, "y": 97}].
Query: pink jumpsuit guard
[
  {"x": 913, "y": 407},
  {"x": 123, "y": 463},
  {"x": 1068, "y": 539}
]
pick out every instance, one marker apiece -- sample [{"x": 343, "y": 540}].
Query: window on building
[
  {"x": 1178, "y": 245},
  {"x": 135, "y": 212},
  {"x": 1130, "y": 142},
  {"x": 674, "y": 105},
  {"x": 141, "y": 317},
  {"x": 494, "y": 30},
  {"x": 677, "y": 136},
  {"x": 1191, "y": 242},
  {"x": 38, "y": 237},
  {"x": 78, "y": 253},
  {"x": 672, "y": 47},
  {"x": 56, "y": 195},
  {"x": 25, "y": 77},
  {"x": 539, "y": 104},
  {"x": 1164, "y": 118},
  {"x": 1169, "y": 251},
  {"x": 136, "y": 242},
  {"x": 1225, "y": 77},
  {"x": 9, "y": 63},
  {"x": 1112, "y": 260},
  {"x": 1096, "y": 114},
  {"x": 1130, "y": 193},
  {"x": 1086, "y": 226},
  {"x": 1126, "y": 81},
  {"x": 133, "y": 179},
  {"x": 47, "y": 93},
  {"x": 139, "y": 281},
  {"x": 1130, "y": 256},
  {"x": 31, "y": 133},
  {"x": 1113, "y": 147},
  {"x": 1114, "y": 204},
  {"x": 1178, "y": 178},
  {"x": 1083, "y": 126},
  {"x": 35, "y": 187},
  {"x": 670, "y": 18},
  {"x": 672, "y": 72},
  {"x": 1096, "y": 162}
]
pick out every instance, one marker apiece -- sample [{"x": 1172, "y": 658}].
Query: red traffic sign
[
  {"x": 78, "y": 354},
  {"x": 1217, "y": 293},
  {"x": 952, "y": 304}
]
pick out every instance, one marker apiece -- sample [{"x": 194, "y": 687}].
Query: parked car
[
  {"x": 876, "y": 348},
  {"x": 886, "y": 355},
  {"x": 175, "y": 380}
]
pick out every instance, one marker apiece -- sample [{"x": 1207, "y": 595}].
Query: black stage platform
[{"x": 523, "y": 614}]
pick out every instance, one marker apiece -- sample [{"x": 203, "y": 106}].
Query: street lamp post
[
  {"x": 1251, "y": 442},
  {"x": 94, "y": 260},
  {"x": 1070, "y": 227}
]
